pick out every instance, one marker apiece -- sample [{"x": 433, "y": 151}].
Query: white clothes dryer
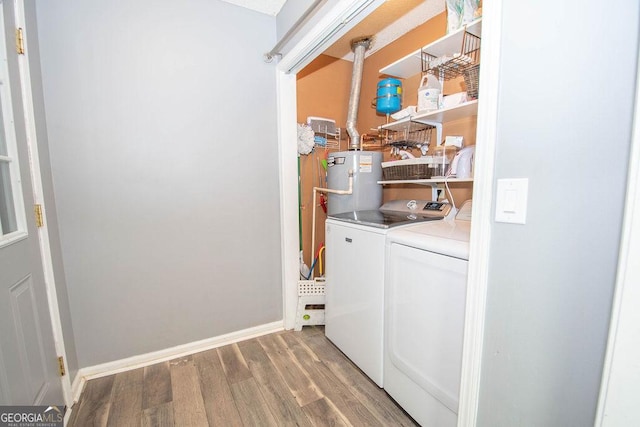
[{"x": 425, "y": 293}]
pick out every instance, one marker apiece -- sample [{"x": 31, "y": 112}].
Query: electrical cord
[{"x": 446, "y": 186}]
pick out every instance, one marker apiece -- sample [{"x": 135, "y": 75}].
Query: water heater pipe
[
  {"x": 313, "y": 220},
  {"x": 359, "y": 47}
]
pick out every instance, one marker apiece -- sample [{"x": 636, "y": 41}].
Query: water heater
[{"x": 367, "y": 171}]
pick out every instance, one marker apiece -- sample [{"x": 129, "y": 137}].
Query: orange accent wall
[{"x": 323, "y": 90}]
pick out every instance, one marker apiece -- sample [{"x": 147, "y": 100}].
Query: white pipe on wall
[{"x": 313, "y": 219}]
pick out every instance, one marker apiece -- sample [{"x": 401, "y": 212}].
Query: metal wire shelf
[
  {"x": 327, "y": 134},
  {"x": 453, "y": 65},
  {"x": 411, "y": 135}
]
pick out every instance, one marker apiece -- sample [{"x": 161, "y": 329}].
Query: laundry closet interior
[
  {"x": 323, "y": 89},
  {"x": 386, "y": 143}
]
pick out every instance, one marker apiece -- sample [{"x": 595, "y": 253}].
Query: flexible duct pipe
[{"x": 359, "y": 47}]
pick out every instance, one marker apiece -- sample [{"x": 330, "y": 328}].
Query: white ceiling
[{"x": 387, "y": 23}]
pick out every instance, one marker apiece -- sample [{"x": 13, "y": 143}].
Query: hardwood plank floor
[
  {"x": 126, "y": 399},
  {"x": 157, "y": 385},
  {"x": 282, "y": 379},
  {"x": 188, "y": 402}
]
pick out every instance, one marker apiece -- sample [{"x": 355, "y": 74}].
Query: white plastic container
[
  {"x": 442, "y": 157},
  {"x": 429, "y": 93}
]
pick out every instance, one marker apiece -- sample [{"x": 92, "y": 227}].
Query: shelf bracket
[{"x": 438, "y": 127}]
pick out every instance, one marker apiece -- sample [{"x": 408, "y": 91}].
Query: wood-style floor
[{"x": 283, "y": 379}]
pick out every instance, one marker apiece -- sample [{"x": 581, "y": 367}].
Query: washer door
[{"x": 424, "y": 314}]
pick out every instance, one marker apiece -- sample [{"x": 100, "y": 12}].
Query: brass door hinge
[
  {"x": 19, "y": 41},
  {"x": 37, "y": 211},
  {"x": 61, "y": 366}
]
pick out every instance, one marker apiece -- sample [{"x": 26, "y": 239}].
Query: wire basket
[
  {"x": 412, "y": 134},
  {"x": 452, "y": 65},
  {"x": 419, "y": 168},
  {"x": 327, "y": 134},
  {"x": 471, "y": 77}
]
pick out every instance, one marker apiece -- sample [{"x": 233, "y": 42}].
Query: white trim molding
[
  {"x": 480, "y": 241},
  {"x": 288, "y": 170},
  {"x": 142, "y": 360}
]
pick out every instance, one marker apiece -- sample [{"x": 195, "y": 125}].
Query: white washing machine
[
  {"x": 425, "y": 293},
  {"x": 354, "y": 301}
]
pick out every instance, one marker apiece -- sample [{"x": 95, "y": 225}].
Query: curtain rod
[{"x": 311, "y": 10}]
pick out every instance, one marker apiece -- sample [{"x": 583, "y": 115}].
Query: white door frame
[
  {"x": 288, "y": 170},
  {"x": 621, "y": 375},
  {"x": 483, "y": 190},
  {"x": 480, "y": 240},
  {"x": 38, "y": 196}
]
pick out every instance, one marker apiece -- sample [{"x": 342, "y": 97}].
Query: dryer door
[{"x": 424, "y": 316}]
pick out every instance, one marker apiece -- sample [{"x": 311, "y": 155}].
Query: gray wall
[
  {"x": 162, "y": 131},
  {"x": 565, "y": 110},
  {"x": 47, "y": 185}
]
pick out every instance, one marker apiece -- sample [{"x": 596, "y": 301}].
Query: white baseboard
[
  {"x": 76, "y": 387},
  {"x": 139, "y": 361}
]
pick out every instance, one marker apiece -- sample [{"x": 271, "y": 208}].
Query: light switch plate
[{"x": 511, "y": 200}]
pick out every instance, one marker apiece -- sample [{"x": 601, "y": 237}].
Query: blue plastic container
[{"x": 389, "y": 96}]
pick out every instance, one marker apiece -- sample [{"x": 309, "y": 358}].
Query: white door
[{"x": 28, "y": 360}]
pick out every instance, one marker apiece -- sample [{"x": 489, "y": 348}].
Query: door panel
[
  {"x": 354, "y": 300},
  {"x": 424, "y": 323},
  {"x": 28, "y": 359},
  {"x": 425, "y": 306},
  {"x": 29, "y": 336}
]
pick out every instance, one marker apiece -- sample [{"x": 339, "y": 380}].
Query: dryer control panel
[{"x": 423, "y": 207}]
